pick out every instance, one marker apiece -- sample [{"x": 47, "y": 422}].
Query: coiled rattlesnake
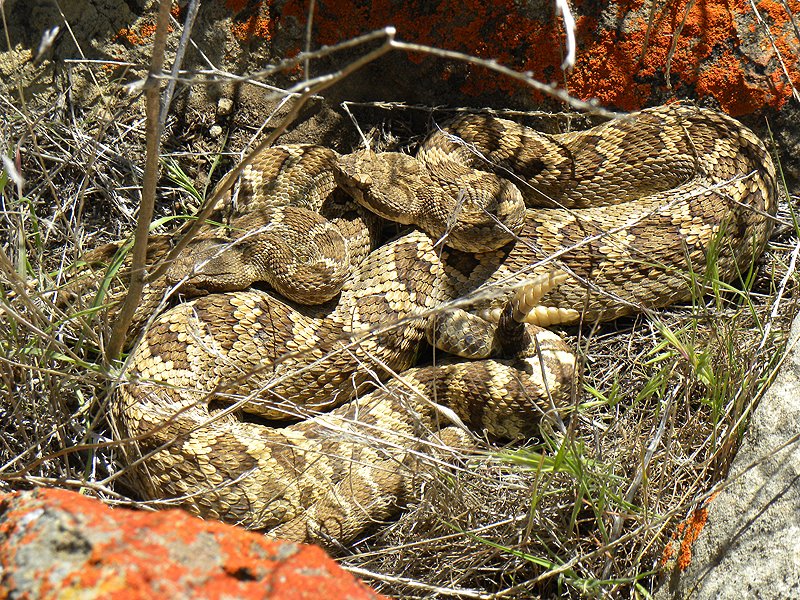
[{"x": 619, "y": 217}]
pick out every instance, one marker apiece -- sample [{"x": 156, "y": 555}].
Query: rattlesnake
[{"x": 620, "y": 217}]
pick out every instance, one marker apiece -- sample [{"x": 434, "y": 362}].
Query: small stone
[
  {"x": 215, "y": 131},
  {"x": 224, "y": 106}
]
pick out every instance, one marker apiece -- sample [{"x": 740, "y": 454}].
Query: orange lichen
[
  {"x": 727, "y": 82},
  {"x": 251, "y": 20},
  {"x": 608, "y": 71},
  {"x": 677, "y": 41},
  {"x": 129, "y": 35},
  {"x": 126, "y": 554},
  {"x": 679, "y": 550},
  {"x": 623, "y": 59},
  {"x": 147, "y": 29},
  {"x": 137, "y": 37}
]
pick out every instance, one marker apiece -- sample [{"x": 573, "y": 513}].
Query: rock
[
  {"x": 737, "y": 56},
  {"x": 629, "y": 54},
  {"x": 57, "y": 543},
  {"x": 749, "y": 546}
]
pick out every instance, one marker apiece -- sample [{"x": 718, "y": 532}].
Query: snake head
[
  {"x": 352, "y": 172},
  {"x": 210, "y": 265},
  {"x": 388, "y": 184}
]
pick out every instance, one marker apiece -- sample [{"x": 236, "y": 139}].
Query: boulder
[
  {"x": 746, "y": 542},
  {"x": 57, "y": 543}
]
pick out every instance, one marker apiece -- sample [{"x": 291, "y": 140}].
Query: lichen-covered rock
[
  {"x": 56, "y": 544},
  {"x": 745, "y": 542},
  {"x": 630, "y": 54},
  {"x": 735, "y": 55}
]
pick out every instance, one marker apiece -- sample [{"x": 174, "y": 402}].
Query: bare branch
[{"x": 151, "y": 172}]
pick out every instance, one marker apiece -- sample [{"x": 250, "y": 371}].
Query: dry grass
[{"x": 586, "y": 511}]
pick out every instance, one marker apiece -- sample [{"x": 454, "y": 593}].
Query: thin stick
[
  {"x": 591, "y": 107},
  {"x": 674, "y": 45},
  {"x": 151, "y": 173},
  {"x": 562, "y": 8},
  {"x": 191, "y": 15},
  {"x": 309, "y": 31}
]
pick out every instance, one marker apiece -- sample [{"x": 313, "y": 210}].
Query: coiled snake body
[{"x": 619, "y": 217}]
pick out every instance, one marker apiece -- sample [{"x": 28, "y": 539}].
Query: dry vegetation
[{"x": 662, "y": 401}]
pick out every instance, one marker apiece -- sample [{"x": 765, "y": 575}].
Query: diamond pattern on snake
[{"x": 304, "y": 414}]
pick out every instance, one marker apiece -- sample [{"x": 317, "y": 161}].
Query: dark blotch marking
[
  {"x": 290, "y": 457},
  {"x": 168, "y": 348},
  {"x": 216, "y": 314},
  {"x": 464, "y": 263}
]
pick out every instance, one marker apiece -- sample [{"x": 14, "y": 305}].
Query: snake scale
[{"x": 307, "y": 420}]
